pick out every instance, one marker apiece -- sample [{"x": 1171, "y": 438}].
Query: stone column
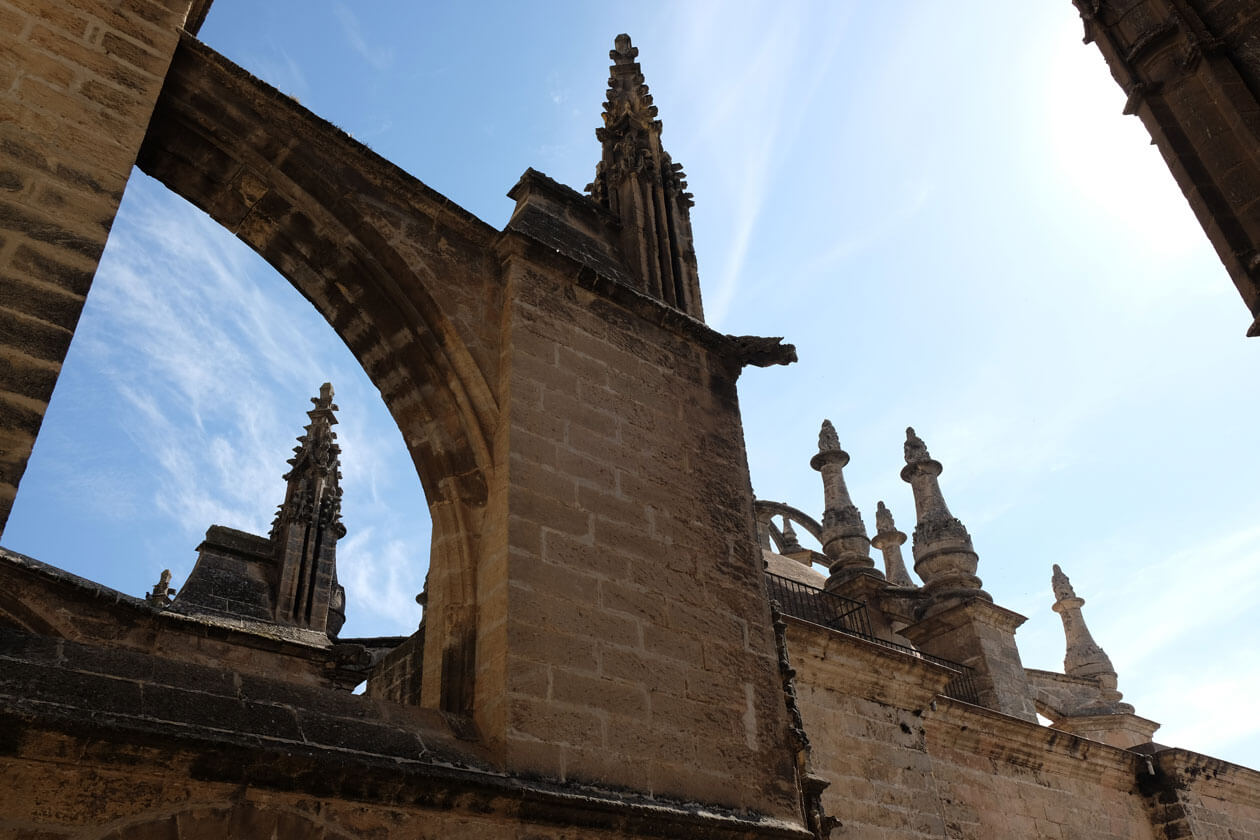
[
  {"x": 844, "y": 537},
  {"x": 957, "y": 619}
]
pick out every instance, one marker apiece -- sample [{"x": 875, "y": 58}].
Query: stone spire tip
[
  {"x": 915, "y": 448},
  {"x": 623, "y": 51},
  {"x": 883, "y": 518},
  {"x": 324, "y": 403},
  {"x": 1062, "y": 586},
  {"x": 828, "y": 440}
]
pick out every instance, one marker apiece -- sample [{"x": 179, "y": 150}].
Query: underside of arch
[{"x": 405, "y": 277}]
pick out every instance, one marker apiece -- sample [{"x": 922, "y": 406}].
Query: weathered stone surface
[{"x": 597, "y": 657}]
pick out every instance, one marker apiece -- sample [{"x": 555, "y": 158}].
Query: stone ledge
[
  {"x": 1205, "y": 776},
  {"x": 961, "y": 726},
  {"x": 869, "y": 669}
]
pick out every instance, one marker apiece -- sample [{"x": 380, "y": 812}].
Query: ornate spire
[
  {"x": 308, "y": 524},
  {"x": 943, "y": 555},
  {"x": 1084, "y": 657},
  {"x": 644, "y": 188},
  {"x": 843, "y": 532},
  {"x": 889, "y": 540}
]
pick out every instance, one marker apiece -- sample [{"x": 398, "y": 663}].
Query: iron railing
[
  {"x": 848, "y": 616},
  {"x": 818, "y": 605}
]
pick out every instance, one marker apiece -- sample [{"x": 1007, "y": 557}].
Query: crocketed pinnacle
[
  {"x": 844, "y": 537},
  {"x": 641, "y": 185},
  {"x": 308, "y": 524},
  {"x": 314, "y": 490},
  {"x": 889, "y": 541}
]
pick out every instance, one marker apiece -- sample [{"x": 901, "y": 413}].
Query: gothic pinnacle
[
  {"x": 943, "y": 555},
  {"x": 843, "y": 533},
  {"x": 638, "y": 182},
  {"x": 889, "y": 540},
  {"x": 791, "y": 543},
  {"x": 1084, "y": 657},
  {"x": 307, "y": 526},
  {"x": 314, "y": 480}
]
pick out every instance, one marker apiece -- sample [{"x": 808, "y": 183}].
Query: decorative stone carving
[
  {"x": 844, "y": 537},
  {"x": 889, "y": 541},
  {"x": 1084, "y": 657},
  {"x": 943, "y": 555},
  {"x": 308, "y": 524},
  {"x": 162, "y": 593},
  {"x": 642, "y": 186}
]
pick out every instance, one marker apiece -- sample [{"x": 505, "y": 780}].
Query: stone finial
[
  {"x": 943, "y": 554},
  {"x": 638, "y": 182},
  {"x": 623, "y": 52},
  {"x": 1084, "y": 657},
  {"x": 1061, "y": 585},
  {"x": 889, "y": 541},
  {"x": 828, "y": 440},
  {"x": 915, "y": 449},
  {"x": 884, "y": 519},
  {"x": 162, "y": 593}
]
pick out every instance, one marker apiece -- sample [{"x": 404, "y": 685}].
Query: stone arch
[{"x": 407, "y": 279}]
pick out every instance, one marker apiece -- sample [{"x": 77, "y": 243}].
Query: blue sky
[{"x": 941, "y": 205}]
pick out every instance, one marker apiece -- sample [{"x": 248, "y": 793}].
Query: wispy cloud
[
  {"x": 208, "y": 360},
  {"x": 380, "y": 58}
]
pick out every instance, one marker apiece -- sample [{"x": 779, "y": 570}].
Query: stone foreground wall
[
  {"x": 908, "y": 764},
  {"x": 77, "y": 84}
]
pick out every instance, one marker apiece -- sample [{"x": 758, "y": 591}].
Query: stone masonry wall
[
  {"x": 636, "y": 643},
  {"x": 904, "y": 763},
  {"x": 1000, "y": 777},
  {"x": 863, "y": 707},
  {"x": 78, "y": 81},
  {"x": 105, "y": 744},
  {"x": 1192, "y": 795}
]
